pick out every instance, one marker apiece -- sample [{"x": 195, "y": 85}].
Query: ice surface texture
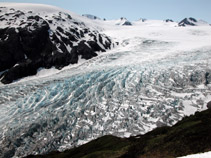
[
  {"x": 66, "y": 110},
  {"x": 157, "y": 75}
]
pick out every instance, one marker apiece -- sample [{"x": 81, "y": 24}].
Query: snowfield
[
  {"x": 158, "y": 74},
  {"x": 202, "y": 155}
]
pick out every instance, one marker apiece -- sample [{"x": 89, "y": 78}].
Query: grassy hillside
[{"x": 189, "y": 136}]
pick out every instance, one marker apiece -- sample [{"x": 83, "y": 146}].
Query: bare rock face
[
  {"x": 127, "y": 23},
  {"x": 209, "y": 105},
  {"x": 169, "y": 20},
  {"x": 124, "y": 22},
  {"x": 188, "y": 22},
  {"x": 93, "y": 17},
  {"x": 11, "y": 51},
  {"x": 29, "y": 41}
]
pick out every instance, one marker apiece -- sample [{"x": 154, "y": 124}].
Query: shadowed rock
[
  {"x": 209, "y": 105},
  {"x": 34, "y": 44},
  {"x": 188, "y": 22}
]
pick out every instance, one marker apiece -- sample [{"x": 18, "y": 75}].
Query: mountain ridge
[
  {"x": 192, "y": 22},
  {"x": 32, "y": 40}
]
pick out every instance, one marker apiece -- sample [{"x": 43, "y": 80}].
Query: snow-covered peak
[
  {"x": 192, "y": 22},
  {"x": 202, "y": 22},
  {"x": 32, "y": 7},
  {"x": 123, "y": 21},
  {"x": 142, "y": 19},
  {"x": 93, "y": 17},
  {"x": 168, "y": 20},
  {"x": 45, "y": 10},
  {"x": 60, "y": 36},
  {"x": 155, "y": 23}
]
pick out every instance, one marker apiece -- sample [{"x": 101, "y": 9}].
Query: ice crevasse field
[{"x": 157, "y": 74}]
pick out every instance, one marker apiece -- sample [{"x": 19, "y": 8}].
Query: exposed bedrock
[{"x": 37, "y": 42}]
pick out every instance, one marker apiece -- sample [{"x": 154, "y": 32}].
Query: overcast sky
[{"x": 134, "y": 9}]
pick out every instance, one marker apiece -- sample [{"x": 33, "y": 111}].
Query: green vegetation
[
  {"x": 104, "y": 147},
  {"x": 190, "y": 135}
]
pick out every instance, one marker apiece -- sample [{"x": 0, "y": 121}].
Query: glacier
[
  {"x": 157, "y": 75},
  {"x": 60, "y": 111}
]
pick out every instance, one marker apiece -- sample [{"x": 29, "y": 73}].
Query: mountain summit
[
  {"x": 192, "y": 22},
  {"x": 123, "y": 22}
]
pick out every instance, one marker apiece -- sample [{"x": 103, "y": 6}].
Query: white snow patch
[
  {"x": 200, "y": 155},
  {"x": 41, "y": 73},
  {"x": 188, "y": 108},
  {"x": 81, "y": 142},
  {"x": 127, "y": 134}
]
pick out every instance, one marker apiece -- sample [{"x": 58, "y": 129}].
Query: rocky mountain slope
[
  {"x": 123, "y": 22},
  {"x": 192, "y": 22},
  {"x": 30, "y": 40},
  {"x": 189, "y": 136}
]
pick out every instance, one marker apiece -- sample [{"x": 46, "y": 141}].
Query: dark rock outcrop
[
  {"x": 127, "y": 23},
  {"x": 124, "y": 22},
  {"x": 23, "y": 52},
  {"x": 11, "y": 51},
  {"x": 23, "y": 69},
  {"x": 93, "y": 17},
  {"x": 169, "y": 20},
  {"x": 209, "y": 105},
  {"x": 84, "y": 50},
  {"x": 188, "y": 22},
  {"x": 31, "y": 41}
]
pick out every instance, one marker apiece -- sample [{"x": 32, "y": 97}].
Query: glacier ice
[
  {"x": 74, "y": 106},
  {"x": 157, "y": 75}
]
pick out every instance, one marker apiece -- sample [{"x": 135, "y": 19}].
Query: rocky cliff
[{"x": 30, "y": 40}]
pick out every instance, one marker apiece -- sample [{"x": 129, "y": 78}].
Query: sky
[{"x": 134, "y": 9}]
